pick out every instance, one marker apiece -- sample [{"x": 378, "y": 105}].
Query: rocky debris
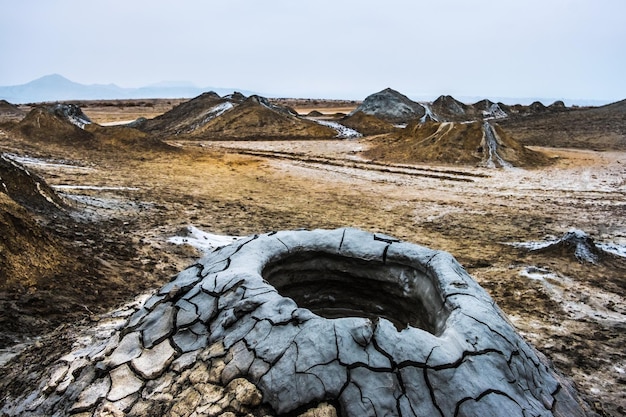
[
  {"x": 475, "y": 143},
  {"x": 391, "y": 106},
  {"x": 291, "y": 320},
  {"x": 28, "y": 188}
]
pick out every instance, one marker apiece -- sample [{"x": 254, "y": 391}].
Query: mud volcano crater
[
  {"x": 277, "y": 323},
  {"x": 334, "y": 286}
]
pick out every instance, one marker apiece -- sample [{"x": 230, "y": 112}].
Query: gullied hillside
[
  {"x": 235, "y": 117},
  {"x": 474, "y": 143}
]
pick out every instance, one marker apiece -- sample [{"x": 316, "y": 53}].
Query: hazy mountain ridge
[{"x": 55, "y": 87}]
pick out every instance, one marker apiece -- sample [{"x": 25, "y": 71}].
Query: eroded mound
[
  {"x": 367, "y": 124},
  {"x": 475, "y": 143},
  {"x": 56, "y": 123},
  {"x": 221, "y": 327}
]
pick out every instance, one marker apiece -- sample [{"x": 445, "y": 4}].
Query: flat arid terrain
[{"x": 123, "y": 202}]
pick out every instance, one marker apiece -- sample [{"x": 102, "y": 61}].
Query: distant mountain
[{"x": 55, "y": 87}]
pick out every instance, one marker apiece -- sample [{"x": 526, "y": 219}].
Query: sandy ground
[{"x": 574, "y": 313}]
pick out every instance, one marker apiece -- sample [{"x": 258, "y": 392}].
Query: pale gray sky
[{"x": 566, "y": 49}]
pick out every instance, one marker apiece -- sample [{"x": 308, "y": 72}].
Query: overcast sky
[{"x": 567, "y": 49}]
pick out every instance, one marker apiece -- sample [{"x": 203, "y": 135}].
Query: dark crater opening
[{"x": 334, "y": 286}]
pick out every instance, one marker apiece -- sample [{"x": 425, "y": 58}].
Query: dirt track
[{"x": 576, "y": 316}]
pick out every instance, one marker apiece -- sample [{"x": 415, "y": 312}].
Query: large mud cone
[
  {"x": 391, "y": 106},
  {"x": 277, "y": 323}
]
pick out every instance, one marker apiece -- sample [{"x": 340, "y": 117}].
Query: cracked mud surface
[
  {"x": 222, "y": 317},
  {"x": 577, "y": 320}
]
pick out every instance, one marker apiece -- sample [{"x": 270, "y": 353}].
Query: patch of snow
[
  {"x": 118, "y": 123},
  {"x": 7, "y": 158},
  {"x": 343, "y": 132},
  {"x": 494, "y": 112},
  {"x": 211, "y": 114},
  {"x": 578, "y": 300},
  {"x": 28, "y": 160},
  {"x": 538, "y": 274},
  {"x": 203, "y": 241},
  {"x": 46, "y": 196},
  {"x": 93, "y": 187},
  {"x": 490, "y": 139},
  {"x": 428, "y": 113},
  {"x": 614, "y": 248},
  {"x": 581, "y": 252}
]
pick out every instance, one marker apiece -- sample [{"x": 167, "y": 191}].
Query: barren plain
[{"x": 128, "y": 204}]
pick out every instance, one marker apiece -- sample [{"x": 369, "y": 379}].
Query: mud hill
[
  {"x": 599, "y": 128},
  {"x": 367, "y": 124},
  {"x": 577, "y": 245},
  {"x": 447, "y": 108},
  {"x": 391, "y": 106},
  {"x": 52, "y": 124},
  {"x": 256, "y": 118},
  {"x": 10, "y": 112},
  {"x": 188, "y": 115},
  {"x": 473, "y": 143},
  {"x": 66, "y": 124}
]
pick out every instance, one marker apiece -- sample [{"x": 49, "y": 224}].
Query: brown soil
[
  {"x": 600, "y": 128},
  {"x": 114, "y": 245}
]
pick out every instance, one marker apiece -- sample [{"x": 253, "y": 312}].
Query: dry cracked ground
[{"x": 572, "y": 312}]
